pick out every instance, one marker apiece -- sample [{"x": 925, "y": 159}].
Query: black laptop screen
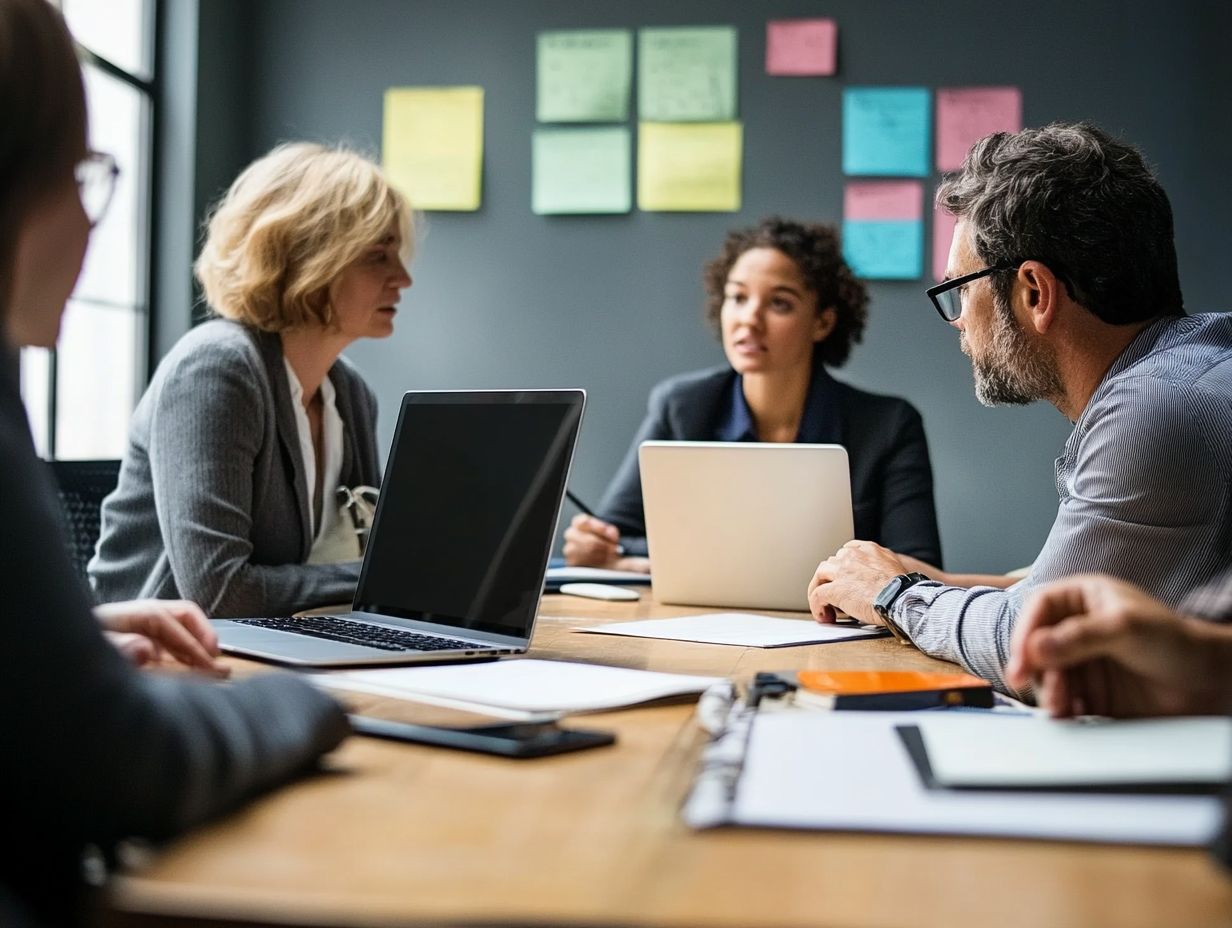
[{"x": 468, "y": 508}]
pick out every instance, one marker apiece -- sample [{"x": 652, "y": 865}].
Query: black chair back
[{"x": 83, "y": 485}]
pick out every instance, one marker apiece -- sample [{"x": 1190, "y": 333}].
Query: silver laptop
[
  {"x": 461, "y": 537},
  {"x": 742, "y": 524}
]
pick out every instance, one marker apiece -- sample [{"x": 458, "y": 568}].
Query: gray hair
[{"x": 1081, "y": 202}]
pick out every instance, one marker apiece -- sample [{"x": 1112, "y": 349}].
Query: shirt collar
[{"x": 818, "y": 425}]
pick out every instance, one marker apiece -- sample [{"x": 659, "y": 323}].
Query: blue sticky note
[
  {"x": 886, "y": 131},
  {"x": 884, "y": 249}
]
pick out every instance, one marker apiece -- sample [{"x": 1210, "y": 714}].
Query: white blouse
[{"x": 332, "y": 437}]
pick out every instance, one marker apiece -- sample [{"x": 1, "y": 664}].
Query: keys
[{"x": 333, "y": 628}]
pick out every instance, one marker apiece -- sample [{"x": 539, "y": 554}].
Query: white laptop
[
  {"x": 742, "y": 524},
  {"x": 459, "y": 543}
]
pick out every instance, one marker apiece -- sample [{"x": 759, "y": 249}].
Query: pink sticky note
[
  {"x": 943, "y": 235},
  {"x": 965, "y": 115},
  {"x": 801, "y": 47},
  {"x": 892, "y": 200}
]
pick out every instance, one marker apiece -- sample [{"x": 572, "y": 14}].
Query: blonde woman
[{"x": 228, "y": 491}]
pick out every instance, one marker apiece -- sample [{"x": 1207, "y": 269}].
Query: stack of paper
[
  {"x": 738, "y": 628},
  {"x": 518, "y": 689}
]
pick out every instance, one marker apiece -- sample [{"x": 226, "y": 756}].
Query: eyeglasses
[
  {"x": 947, "y": 296},
  {"x": 96, "y": 176}
]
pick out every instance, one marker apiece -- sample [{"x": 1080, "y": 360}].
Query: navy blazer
[{"x": 891, "y": 478}]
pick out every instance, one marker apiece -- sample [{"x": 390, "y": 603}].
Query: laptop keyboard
[{"x": 334, "y": 628}]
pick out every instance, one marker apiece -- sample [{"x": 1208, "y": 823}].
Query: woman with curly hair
[{"x": 786, "y": 307}]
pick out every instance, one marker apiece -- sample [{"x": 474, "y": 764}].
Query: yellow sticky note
[
  {"x": 689, "y": 167},
  {"x": 433, "y": 145}
]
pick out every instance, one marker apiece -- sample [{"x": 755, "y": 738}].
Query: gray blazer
[
  {"x": 212, "y": 503},
  {"x": 95, "y": 751}
]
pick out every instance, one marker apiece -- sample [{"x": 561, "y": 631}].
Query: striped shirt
[
  {"x": 1144, "y": 488},
  {"x": 1213, "y": 601}
]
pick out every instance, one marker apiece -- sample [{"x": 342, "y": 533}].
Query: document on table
[
  {"x": 518, "y": 689},
  {"x": 774, "y": 768},
  {"x": 1041, "y": 753},
  {"x": 738, "y": 628},
  {"x": 558, "y": 575}
]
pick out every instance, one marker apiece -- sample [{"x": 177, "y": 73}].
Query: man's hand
[
  {"x": 1092, "y": 645},
  {"x": 851, "y": 580},
  {"x": 143, "y": 629}
]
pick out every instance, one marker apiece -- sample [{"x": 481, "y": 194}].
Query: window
[{"x": 80, "y": 396}]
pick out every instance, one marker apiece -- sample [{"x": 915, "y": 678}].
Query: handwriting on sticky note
[
  {"x": 687, "y": 74},
  {"x": 689, "y": 167},
  {"x": 584, "y": 75},
  {"x": 582, "y": 171},
  {"x": 886, "y": 131},
  {"x": 884, "y": 249},
  {"x": 432, "y": 145},
  {"x": 801, "y": 47},
  {"x": 883, "y": 199},
  {"x": 966, "y": 115}
]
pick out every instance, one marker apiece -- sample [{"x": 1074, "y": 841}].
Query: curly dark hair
[{"x": 817, "y": 251}]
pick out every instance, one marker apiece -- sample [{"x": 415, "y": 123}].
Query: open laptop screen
[{"x": 468, "y": 507}]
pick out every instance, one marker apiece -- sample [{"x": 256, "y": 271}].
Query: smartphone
[{"x": 512, "y": 740}]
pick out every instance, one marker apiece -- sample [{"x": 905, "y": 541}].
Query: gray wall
[{"x": 505, "y": 298}]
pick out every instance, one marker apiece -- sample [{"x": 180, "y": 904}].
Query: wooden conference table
[{"x": 400, "y": 834}]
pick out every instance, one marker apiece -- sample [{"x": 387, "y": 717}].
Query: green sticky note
[
  {"x": 687, "y": 74},
  {"x": 584, "y": 75},
  {"x": 689, "y": 167},
  {"x": 582, "y": 171}
]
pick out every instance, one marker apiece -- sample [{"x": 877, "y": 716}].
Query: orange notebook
[{"x": 891, "y": 689}]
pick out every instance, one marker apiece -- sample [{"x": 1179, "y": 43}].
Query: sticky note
[
  {"x": 584, "y": 75},
  {"x": 687, "y": 74},
  {"x": 965, "y": 115},
  {"x": 884, "y": 199},
  {"x": 432, "y": 146},
  {"x": 689, "y": 167},
  {"x": 582, "y": 171},
  {"x": 801, "y": 47},
  {"x": 884, "y": 249},
  {"x": 886, "y": 131},
  {"x": 943, "y": 237}
]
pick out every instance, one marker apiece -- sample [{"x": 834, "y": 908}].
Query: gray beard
[{"x": 1013, "y": 372}]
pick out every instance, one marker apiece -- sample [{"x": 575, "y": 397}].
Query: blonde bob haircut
[{"x": 289, "y": 225}]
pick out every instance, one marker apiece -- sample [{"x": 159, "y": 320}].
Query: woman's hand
[
  {"x": 591, "y": 542},
  {"x": 144, "y": 629}
]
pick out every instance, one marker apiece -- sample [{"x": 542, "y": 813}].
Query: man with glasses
[{"x": 1062, "y": 283}]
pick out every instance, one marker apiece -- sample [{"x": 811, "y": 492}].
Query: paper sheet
[
  {"x": 883, "y": 200},
  {"x": 886, "y": 131},
  {"x": 689, "y": 167},
  {"x": 432, "y": 147},
  {"x": 884, "y": 249},
  {"x": 791, "y": 752},
  {"x": 584, "y": 75},
  {"x": 1038, "y": 752},
  {"x": 800, "y": 47},
  {"x": 596, "y": 575},
  {"x": 518, "y": 689},
  {"x": 582, "y": 171},
  {"x": 965, "y": 115},
  {"x": 687, "y": 74},
  {"x": 738, "y": 628}
]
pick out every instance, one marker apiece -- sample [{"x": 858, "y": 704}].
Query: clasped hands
[{"x": 145, "y": 630}]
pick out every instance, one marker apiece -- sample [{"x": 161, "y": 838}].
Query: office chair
[{"x": 82, "y": 486}]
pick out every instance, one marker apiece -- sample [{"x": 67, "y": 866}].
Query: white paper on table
[
  {"x": 970, "y": 750},
  {"x": 518, "y": 689},
  {"x": 596, "y": 575},
  {"x": 738, "y": 628},
  {"x": 849, "y": 771}
]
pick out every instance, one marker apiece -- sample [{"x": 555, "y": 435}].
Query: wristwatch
[{"x": 889, "y": 595}]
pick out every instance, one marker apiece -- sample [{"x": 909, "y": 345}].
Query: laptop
[
  {"x": 460, "y": 540},
  {"x": 742, "y": 524}
]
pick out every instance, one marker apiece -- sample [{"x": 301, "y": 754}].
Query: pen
[{"x": 572, "y": 497}]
